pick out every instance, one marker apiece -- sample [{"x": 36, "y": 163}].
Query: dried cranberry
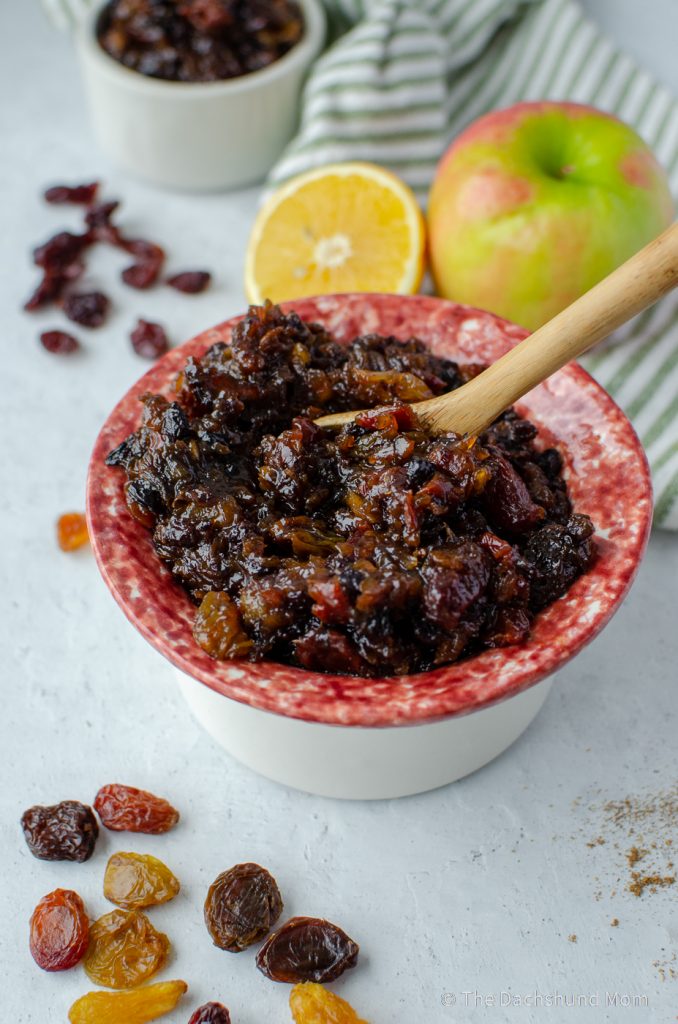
[
  {"x": 211, "y": 1013},
  {"x": 59, "y": 251},
  {"x": 49, "y": 290},
  {"x": 191, "y": 282},
  {"x": 146, "y": 270},
  {"x": 101, "y": 227},
  {"x": 77, "y": 194},
  {"x": 87, "y": 308},
  {"x": 59, "y": 342},
  {"x": 149, "y": 340}
]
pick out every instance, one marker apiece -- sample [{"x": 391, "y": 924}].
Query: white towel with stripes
[{"x": 403, "y": 77}]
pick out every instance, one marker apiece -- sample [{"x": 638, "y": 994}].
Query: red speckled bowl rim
[{"x": 607, "y": 476}]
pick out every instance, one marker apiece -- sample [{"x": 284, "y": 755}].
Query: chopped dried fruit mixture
[
  {"x": 374, "y": 551},
  {"x": 199, "y": 40}
]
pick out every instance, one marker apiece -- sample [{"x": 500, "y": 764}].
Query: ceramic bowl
[
  {"x": 350, "y": 737},
  {"x": 196, "y": 136}
]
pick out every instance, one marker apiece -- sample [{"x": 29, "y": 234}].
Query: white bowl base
[{"x": 354, "y": 763}]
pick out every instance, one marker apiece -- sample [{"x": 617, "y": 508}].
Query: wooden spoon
[{"x": 634, "y": 286}]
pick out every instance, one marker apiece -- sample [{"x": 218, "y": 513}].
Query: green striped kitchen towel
[{"x": 402, "y": 77}]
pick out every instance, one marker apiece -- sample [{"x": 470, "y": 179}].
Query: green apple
[{"x": 532, "y": 205}]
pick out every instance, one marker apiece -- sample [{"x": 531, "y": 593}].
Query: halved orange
[{"x": 351, "y": 227}]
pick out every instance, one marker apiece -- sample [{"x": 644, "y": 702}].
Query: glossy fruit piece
[
  {"x": 59, "y": 931},
  {"x": 211, "y": 1013},
  {"x": 136, "y": 880},
  {"x": 72, "y": 531},
  {"x": 242, "y": 906},
  {"x": 64, "y": 831},
  {"x": 125, "y": 950},
  {"x": 351, "y": 227},
  {"x": 307, "y": 949},
  {"x": 137, "y": 1007},
  {"x": 312, "y": 1004},
  {"x": 127, "y": 809}
]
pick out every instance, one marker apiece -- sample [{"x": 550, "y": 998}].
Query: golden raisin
[
  {"x": 137, "y": 1007},
  {"x": 72, "y": 531},
  {"x": 125, "y": 949},
  {"x": 218, "y": 627},
  {"x": 136, "y": 880},
  {"x": 313, "y": 1004}
]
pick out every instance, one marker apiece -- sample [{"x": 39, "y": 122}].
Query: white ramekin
[
  {"x": 196, "y": 136},
  {"x": 362, "y": 763}
]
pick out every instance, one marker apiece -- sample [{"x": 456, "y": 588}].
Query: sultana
[
  {"x": 137, "y": 1007},
  {"x": 72, "y": 531},
  {"x": 312, "y": 1004},
  {"x": 136, "y": 880},
  {"x": 125, "y": 949}
]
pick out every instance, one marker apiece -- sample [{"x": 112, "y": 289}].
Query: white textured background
[{"x": 474, "y": 888}]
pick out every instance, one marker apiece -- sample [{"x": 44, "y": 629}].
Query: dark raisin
[
  {"x": 65, "y": 831},
  {"x": 78, "y": 194},
  {"x": 242, "y": 906},
  {"x": 87, "y": 308},
  {"x": 211, "y": 1013},
  {"x": 558, "y": 554},
  {"x": 149, "y": 340},
  {"x": 190, "y": 281},
  {"x": 506, "y": 500},
  {"x": 307, "y": 949},
  {"x": 59, "y": 342},
  {"x": 175, "y": 426}
]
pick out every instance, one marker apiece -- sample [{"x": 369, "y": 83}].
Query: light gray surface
[{"x": 474, "y": 888}]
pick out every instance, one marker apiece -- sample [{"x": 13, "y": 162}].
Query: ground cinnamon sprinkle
[
  {"x": 648, "y": 822},
  {"x": 634, "y": 855},
  {"x": 640, "y": 883}
]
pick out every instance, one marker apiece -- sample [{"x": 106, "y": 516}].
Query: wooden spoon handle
[{"x": 634, "y": 286}]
